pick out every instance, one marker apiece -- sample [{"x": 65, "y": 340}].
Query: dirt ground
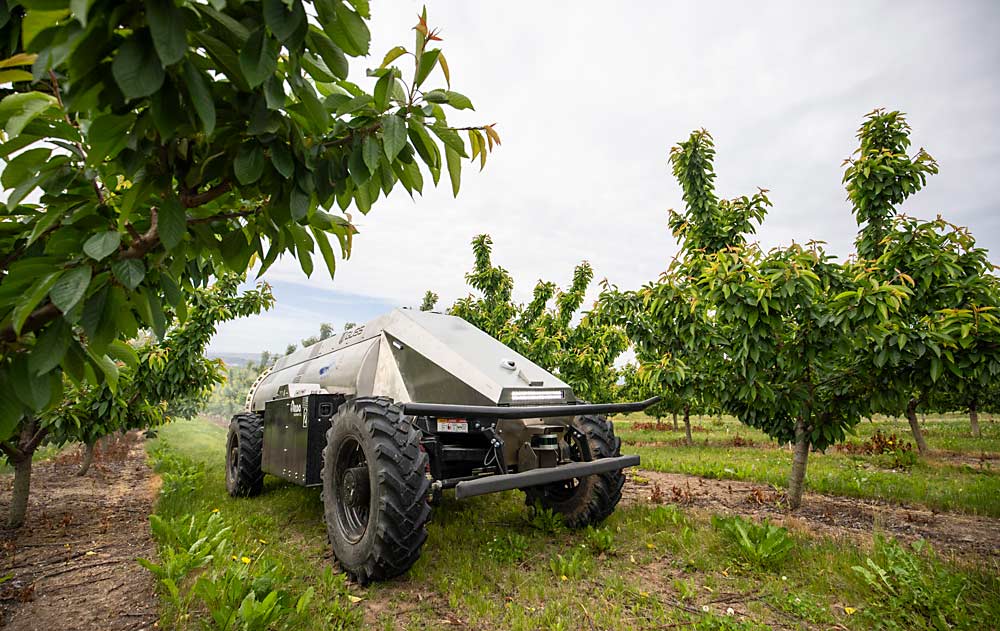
[
  {"x": 73, "y": 563},
  {"x": 964, "y": 535}
]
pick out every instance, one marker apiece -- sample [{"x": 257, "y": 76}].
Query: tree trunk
[
  {"x": 19, "y": 496},
  {"x": 918, "y": 436},
  {"x": 974, "y": 419},
  {"x": 21, "y": 459},
  {"x": 796, "y": 481},
  {"x": 687, "y": 426},
  {"x": 88, "y": 458},
  {"x": 675, "y": 421}
]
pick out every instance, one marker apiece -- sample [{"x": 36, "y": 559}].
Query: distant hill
[{"x": 234, "y": 359}]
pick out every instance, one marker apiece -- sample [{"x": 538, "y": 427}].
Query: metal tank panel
[{"x": 414, "y": 356}]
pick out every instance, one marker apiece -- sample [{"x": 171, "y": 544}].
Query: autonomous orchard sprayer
[{"x": 386, "y": 415}]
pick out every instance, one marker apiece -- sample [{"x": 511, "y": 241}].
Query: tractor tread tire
[
  {"x": 248, "y": 429},
  {"x": 398, "y": 523},
  {"x": 598, "y": 494}
]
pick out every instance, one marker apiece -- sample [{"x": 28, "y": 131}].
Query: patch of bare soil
[
  {"x": 964, "y": 535},
  {"x": 73, "y": 563}
]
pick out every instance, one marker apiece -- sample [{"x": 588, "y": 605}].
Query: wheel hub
[{"x": 356, "y": 486}]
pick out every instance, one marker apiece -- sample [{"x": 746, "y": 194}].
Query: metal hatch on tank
[{"x": 387, "y": 415}]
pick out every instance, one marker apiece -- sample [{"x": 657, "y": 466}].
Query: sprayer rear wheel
[{"x": 244, "y": 447}]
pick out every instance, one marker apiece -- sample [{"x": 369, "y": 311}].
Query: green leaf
[
  {"x": 50, "y": 347},
  {"x": 108, "y": 367},
  {"x": 427, "y": 62},
  {"x": 325, "y": 250},
  {"x": 382, "y": 90},
  {"x": 298, "y": 203},
  {"x": 19, "y": 109},
  {"x": 249, "y": 163},
  {"x": 37, "y": 19},
  {"x": 282, "y": 20},
  {"x": 70, "y": 288},
  {"x": 458, "y": 101},
  {"x": 200, "y": 95},
  {"x": 317, "y": 68},
  {"x": 259, "y": 58},
  {"x": 166, "y": 23},
  {"x": 450, "y": 138},
  {"x": 318, "y": 115},
  {"x": 393, "y": 136},
  {"x": 124, "y": 353},
  {"x": 328, "y": 51},
  {"x": 100, "y": 245},
  {"x": 129, "y": 271},
  {"x": 26, "y": 165},
  {"x": 136, "y": 67},
  {"x": 391, "y": 56},
  {"x": 172, "y": 222},
  {"x": 34, "y": 392},
  {"x": 15, "y": 76},
  {"x": 107, "y": 136},
  {"x": 281, "y": 158},
  {"x": 349, "y": 31},
  {"x": 454, "y": 168},
  {"x": 80, "y": 9},
  {"x": 371, "y": 152},
  {"x": 30, "y": 300}
]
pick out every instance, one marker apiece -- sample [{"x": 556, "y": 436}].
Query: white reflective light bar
[{"x": 535, "y": 395}]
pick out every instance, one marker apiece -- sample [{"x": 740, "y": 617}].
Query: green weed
[
  {"x": 509, "y": 547},
  {"x": 914, "y": 590},
  {"x": 760, "y": 545},
  {"x": 546, "y": 520},
  {"x": 600, "y": 540},
  {"x": 572, "y": 565}
]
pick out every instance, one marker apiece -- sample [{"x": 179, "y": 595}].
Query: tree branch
[
  {"x": 42, "y": 432},
  {"x": 237, "y": 214},
  {"x": 192, "y": 201},
  {"x": 147, "y": 241},
  {"x": 38, "y": 318},
  {"x": 12, "y": 452}
]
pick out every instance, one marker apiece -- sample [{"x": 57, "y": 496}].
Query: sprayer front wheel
[
  {"x": 590, "y": 499},
  {"x": 375, "y": 489}
]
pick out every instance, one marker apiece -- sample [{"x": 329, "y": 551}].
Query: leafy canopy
[
  {"x": 151, "y": 146},
  {"x": 582, "y": 353}
]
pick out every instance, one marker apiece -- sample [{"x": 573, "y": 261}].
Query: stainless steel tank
[{"x": 413, "y": 356}]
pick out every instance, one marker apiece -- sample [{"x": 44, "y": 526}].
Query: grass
[
  {"x": 488, "y": 564},
  {"x": 955, "y": 477}
]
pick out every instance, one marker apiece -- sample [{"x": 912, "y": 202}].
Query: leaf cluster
[{"x": 151, "y": 146}]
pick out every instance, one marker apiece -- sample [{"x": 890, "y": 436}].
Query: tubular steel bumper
[
  {"x": 535, "y": 477},
  {"x": 445, "y": 410}
]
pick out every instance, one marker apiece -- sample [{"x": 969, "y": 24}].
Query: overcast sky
[{"x": 590, "y": 96}]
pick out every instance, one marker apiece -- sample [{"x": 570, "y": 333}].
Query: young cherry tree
[
  {"x": 156, "y": 375},
  {"x": 707, "y": 225},
  {"x": 952, "y": 280},
  {"x": 150, "y": 146},
  {"x": 429, "y": 301},
  {"x": 582, "y": 353},
  {"x": 769, "y": 337}
]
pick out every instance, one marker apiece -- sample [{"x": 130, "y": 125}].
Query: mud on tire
[
  {"x": 244, "y": 446},
  {"x": 591, "y": 499},
  {"x": 375, "y": 489}
]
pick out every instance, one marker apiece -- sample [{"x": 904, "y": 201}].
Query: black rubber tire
[
  {"x": 245, "y": 443},
  {"x": 395, "y": 527},
  {"x": 595, "y": 496}
]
